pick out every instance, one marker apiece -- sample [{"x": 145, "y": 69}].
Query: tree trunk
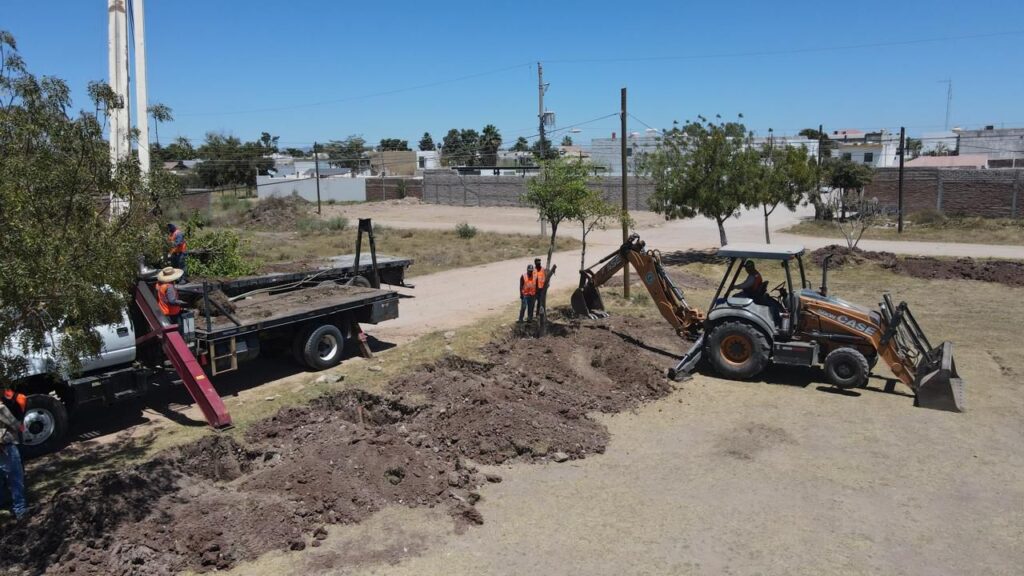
[
  {"x": 583, "y": 251},
  {"x": 551, "y": 244},
  {"x": 767, "y": 236},
  {"x": 721, "y": 231}
]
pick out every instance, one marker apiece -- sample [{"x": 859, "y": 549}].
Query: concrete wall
[
  {"x": 393, "y": 162},
  {"x": 337, "y": 188},
  {"x": 378, "y": 189},
  {"x": 447, "y": 187},
  {"x": 990, "y": 193},
  {"x": 998, "y": 144}
]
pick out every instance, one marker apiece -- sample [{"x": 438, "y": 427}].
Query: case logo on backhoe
[{"x": 847, "y": 321}]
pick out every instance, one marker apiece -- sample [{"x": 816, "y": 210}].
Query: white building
[
  {"x": 1003, "y": 146},
  {"x": 790, "y": 141},
  {"x": 607, "y": 152},
  {"x": 428, "y": 160},
  {"x": 877, "y": 149}
]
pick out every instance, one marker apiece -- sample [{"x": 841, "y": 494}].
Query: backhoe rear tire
[
  {"x": 846, "y": 368},
  {"x": 737, "y": 350}
]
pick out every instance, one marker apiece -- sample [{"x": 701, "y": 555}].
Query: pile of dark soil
[
  {"x": 277, "y": 212},
  {"x": 1009, "y": 272},
  {"x": 213, "y": 503}
]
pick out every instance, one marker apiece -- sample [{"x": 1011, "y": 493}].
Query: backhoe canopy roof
[{"x": 761, "y": 251}]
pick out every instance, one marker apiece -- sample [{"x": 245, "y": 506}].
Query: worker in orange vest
[
  {"x": 12, "y": 412},
  {"x": 543, "y": 280},
  {"x": 527, "y": 293},
  {"x": 178, "y": 248},
  {"x": 167, "y": 294}
]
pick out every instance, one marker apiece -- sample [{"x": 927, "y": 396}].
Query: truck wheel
[
  {"x": 846, "y": 368},
  {"x": 299, "y": 345},
  {"x": 323, "y": 348},
  {"x": 46, "y": 425},
  {"x": 737, "y": 350},
  {"x": 360, "y": 281}
]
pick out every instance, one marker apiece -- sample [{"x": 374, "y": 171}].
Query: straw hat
[{"x": 169, "y": 274}]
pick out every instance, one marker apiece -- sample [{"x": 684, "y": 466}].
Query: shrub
[
  {"x": 307, "y": 226},
  {"x": 465, "y": 231},
  {"x": 218, "y": 254},
  {"x": 928, "y": 217}
]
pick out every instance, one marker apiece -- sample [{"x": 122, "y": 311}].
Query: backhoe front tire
[
  {"x": 846, "y": 368},
  {"x": 737, "y": 350}
]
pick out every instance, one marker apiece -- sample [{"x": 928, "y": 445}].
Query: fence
[
  {"x": 989, "y": 193},
  {"x": 451, "y": 188}
]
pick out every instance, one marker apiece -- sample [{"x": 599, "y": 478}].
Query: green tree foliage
[
  {"x": 461, "y": 148},
  {"x": 227, "y": 161},
  {"x": 521, "y": 145},
  {"x": 489, "y": 143},
  {"x": 60, "y": 241},
  {"x": 594, "y": 213},
  {"x": 787, "y": 174},
  {"x": 295, "y": 152},
  {"x": 268, "y": 142},
  {"x": 160, "y": 113},
  {"x": 390, "y": 144},
  {"x": 180, "y": 149},
  {"x": 559, "y": 193},
  {"x": 847, "y": 177},
  {"x": 427, "y": 143},
  {"x": 827, "y": 145},
  {"x": 703, "y": 168},
  {"x": 914, "y": 146},
  {"x": 348, "y": 153},
  {"x": 567, "y": 140},
  {"x": 543, "y": 150}
]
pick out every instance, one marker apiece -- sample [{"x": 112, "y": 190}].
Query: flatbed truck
[{"x": 310, "y": 314}]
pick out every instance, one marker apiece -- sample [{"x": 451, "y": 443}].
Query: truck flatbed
[
  {"x": 390, "y": 268},
  {"x": 268, "y": 310}
]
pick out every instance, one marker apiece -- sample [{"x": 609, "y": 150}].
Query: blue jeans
[
  {"x": 178, "y": 261},
  {"x": 526, "y": 304},
  {"x": 10, "y": 466}
]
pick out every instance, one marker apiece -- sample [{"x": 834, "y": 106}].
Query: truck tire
[
  {"x": 737, "y": 350},
  {"x": 299, "y": 345},
  {"x": 846, "y": 368},
  {"x": 360, "y": 281},
  {"x": 324, "y": 347},
  {"x": 46, "y": 425}
]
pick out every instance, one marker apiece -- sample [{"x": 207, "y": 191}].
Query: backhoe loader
[{"x": 743, "y": 333}]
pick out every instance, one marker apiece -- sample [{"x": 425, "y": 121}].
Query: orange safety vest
[
  {"x": 541, "y": 277},
  {"x": 529, "y": 287},
  {"x": 177, "y": 249},
  {"x": 161, "y": 297},
  {"x": 20, "y": 399}
]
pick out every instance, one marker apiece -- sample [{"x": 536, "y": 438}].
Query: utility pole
[
  {"x": 316, "y": 167},
  {"x": 625, "y": 196},
  {"x": 903, "y": 148},
  {"x": 541, "y": 88},
  {"x": 821, "y": 140},
  {"x": 949, "y": 97},
  {"x": 141, "y": 97}
]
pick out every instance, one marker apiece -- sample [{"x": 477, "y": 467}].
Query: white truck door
[{"x": 118, "y": 345}]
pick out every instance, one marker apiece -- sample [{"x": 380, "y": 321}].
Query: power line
[
  {"x": 783, "y": 52},
  {"x": 360, "y": 97}
]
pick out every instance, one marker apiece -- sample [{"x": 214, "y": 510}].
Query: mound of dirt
[
  {"x": 216, "y": 502},
  {"x": 276, "y": 212},
  {"x": 1009, "y": 272}
]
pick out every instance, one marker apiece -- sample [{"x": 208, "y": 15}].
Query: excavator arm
[{"x": 669, "y": 298}]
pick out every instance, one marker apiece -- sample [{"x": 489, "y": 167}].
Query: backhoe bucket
[
  {"x": 938, "y": 384},
  {"x": 586, "y": 300}
]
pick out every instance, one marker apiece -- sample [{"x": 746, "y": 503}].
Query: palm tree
[
  {"x": 160, "y": 113},
  {"x": 490, "y": 141}
]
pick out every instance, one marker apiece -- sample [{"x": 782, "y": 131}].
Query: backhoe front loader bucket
[
  {"x": 586, "y": 300},
  {"x": 938, "y": 384}
]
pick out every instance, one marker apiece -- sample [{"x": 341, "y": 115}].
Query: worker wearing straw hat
[{"x": 167, "y": 294}]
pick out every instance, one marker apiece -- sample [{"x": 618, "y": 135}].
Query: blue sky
[{"x": 323, "y": 70}]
